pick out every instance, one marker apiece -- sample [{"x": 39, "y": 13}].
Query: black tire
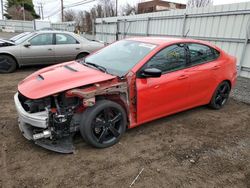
[
  {"x": 7, "y": 64},
  {"x": 103, "y": 124},
  {"x": 220, "y": 96},
  {"x": 81, "y": 55}
]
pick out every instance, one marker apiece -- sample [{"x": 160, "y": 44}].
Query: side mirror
[
  {"x": 151, "y": 73},
  {"x": 27, "y": 44}
]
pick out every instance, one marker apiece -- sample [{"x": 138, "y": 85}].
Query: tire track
[{"x": 6, "y": 183}]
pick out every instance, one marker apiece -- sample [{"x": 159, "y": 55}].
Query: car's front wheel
[
  {"x": 220, "y": 96},
  {"x": 81, "y": 55},
  {"x": 7, "y": 64},
  {"x": 103, "y": 124}
]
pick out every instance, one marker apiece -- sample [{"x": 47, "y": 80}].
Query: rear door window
[
  {"x": 199, "y": 53},
  {"x": 65, "y": 39}
]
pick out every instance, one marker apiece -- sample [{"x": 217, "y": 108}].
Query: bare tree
[
  {"x": 199, "y": 3},
  {"x": 108, "y": 7},
  {"x": 88, "y": 22},
  {"x": 69, "y": 15},
  {"x": 104, "y": 8},
  {"x": 128, "y": 10}
]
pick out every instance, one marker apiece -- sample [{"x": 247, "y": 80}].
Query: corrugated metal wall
[
  {"x": 18, "y": 25},
  {"x": 226, "y": 26},
  {"x": 23, "y": 26}
]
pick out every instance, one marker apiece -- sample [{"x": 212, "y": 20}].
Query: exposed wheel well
[
  {"x": 117, "y": 99},
  {"x": 229, "y": 82},
  {"x": 12, "y": 57},
  {"x": 82, "y": 53}
]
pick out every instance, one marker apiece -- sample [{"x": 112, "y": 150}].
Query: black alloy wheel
[
  {"x": 221, "y": 95},
  {"x": 103, "y": 124},
  {"x": 106, "y": 126},
  {"x": 7, "y": 64}
]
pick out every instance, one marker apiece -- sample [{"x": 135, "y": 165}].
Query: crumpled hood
[{"x": 58, "y": 78}]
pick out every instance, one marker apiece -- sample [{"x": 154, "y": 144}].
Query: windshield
[
  {"x": 120, "y": 57},
  {"x": 16, "y": 37},
  {"x": 24, "y": 38}
]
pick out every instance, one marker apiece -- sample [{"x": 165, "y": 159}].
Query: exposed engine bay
[
  {"x": 64, "y": 112},
  {"x": 60, "y": 124}
]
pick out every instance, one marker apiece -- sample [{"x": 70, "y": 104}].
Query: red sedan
[{"x": 121, "y": 86}]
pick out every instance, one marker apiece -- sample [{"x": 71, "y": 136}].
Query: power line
[
  {"x": 79, "y": 3},
  {"x": 62, "y": 9},
  {"x": 54, "y": 13}
]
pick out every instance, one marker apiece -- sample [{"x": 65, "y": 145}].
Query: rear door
[
  {"x": 66, "y": 48},
  {"x": 157, "y": 97},
  {"x": 40, "y": 51},
  {"x": 202, "y": 80}
]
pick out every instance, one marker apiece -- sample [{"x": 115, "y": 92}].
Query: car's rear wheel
[
  {"x": 220, "y": 96},
  {"x": 103, "y": 124},
  {"x": 7, "y": 64},
  {"x": 81, "y": 56}
]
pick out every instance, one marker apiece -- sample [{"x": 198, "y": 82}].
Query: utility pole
[
  {"x": 23, "y": 12},
  {"x": 62, "y": 10},
  {"x": 42, "y": 10},
  {"x": 116, "y": 7},
  {"x": 39, "y": 9},
  {"x": 2, "y": 9}
]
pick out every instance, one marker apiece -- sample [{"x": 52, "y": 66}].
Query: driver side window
[
  {"x": 42, "y": 39},
  {"x": 170, "y": 59}
]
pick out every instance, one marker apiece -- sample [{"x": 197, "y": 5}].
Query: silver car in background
[{"x": 44, "y": 47}]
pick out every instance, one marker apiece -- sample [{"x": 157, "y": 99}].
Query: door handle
[
  {"x": 50, "y": 49},
  {"x": 216, "y": 67},
  {"x": 77, "y": 48},
  {"x": 182, "y": 77}
]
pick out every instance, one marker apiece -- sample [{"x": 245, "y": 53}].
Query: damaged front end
[{"x": 51, "y": 122}]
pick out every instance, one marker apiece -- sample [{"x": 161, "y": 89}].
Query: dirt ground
[{"x": 196, "y": 148}]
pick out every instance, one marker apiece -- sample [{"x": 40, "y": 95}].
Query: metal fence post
[
  {"x": 183, "y": 24},
  {"x": 124, "y": 29},
  {"x": 244, "y": 48},
  {"x": 34, "y": 25},
  {"x": 103, "y": 30},
  {"x": 22, "y": 26},
  {"x": 147, "y": 27},
  {"x": 93, "y": 29},
  {"x": 117, "y": 31}
]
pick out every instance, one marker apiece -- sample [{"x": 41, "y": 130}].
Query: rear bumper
[
  {"x": 234, "y": 79},
  {"x": 27, "y": 121}
]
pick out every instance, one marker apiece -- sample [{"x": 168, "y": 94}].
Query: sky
[{"x": 51, "y": 8}]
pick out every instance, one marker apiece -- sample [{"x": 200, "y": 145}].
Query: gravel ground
[
  {"x": 5, "y": 35},
  {"x": 197, "y": 148},
  {"x": 242, "y": 90}
]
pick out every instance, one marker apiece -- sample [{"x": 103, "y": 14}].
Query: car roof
[
  {"x": 53, "y": 31},
  {"x": 168, "y": 40}
]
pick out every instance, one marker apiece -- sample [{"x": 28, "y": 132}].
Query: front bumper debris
[{"x": 40, "y": 120}]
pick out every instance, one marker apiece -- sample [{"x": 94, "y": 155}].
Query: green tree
[{"x": 14, "y": 9}]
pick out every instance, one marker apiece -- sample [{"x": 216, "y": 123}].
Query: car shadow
[{"x": 30, "y": 68}]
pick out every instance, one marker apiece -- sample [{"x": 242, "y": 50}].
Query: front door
[
  {"x": 157, "y": 97},
  {"x": 40, "y": 51}
]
